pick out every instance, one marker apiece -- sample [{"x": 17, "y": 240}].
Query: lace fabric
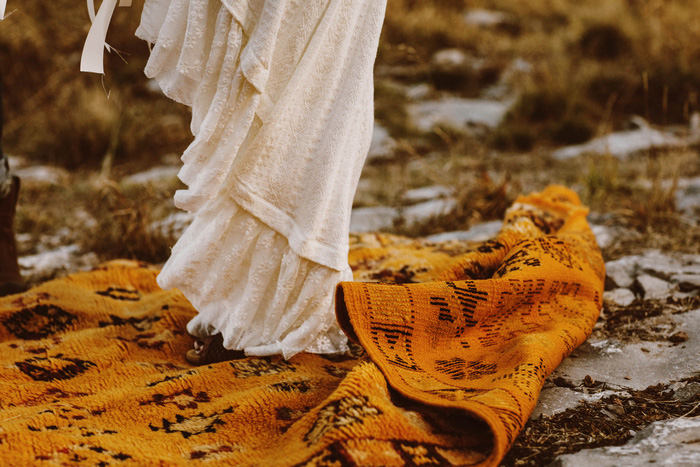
[
  {"x": 281, "y": 97},
  {"x": 247, "y": 283}
]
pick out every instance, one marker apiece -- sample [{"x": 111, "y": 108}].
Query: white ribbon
[
  {"x": 3, "y": 5},
  {"x": 92, "y": 60}
]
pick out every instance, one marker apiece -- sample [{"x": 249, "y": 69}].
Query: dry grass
[
  {"x": 593, "y": 63},
  {"x": 108, "y": 219},
  {"x": 612, "y": 421},
  {"x": 56, "y": 114}
]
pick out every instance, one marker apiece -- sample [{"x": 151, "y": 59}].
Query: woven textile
[{"x": 93, "y": 369}]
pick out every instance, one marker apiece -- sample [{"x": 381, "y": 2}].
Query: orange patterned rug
[{"x": 458, "y": 344}]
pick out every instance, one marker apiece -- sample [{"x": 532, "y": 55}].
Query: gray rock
[
  {"x": 687, "y": 282},
  {"x": 656, "y": 263},
  {"x": 620, "y": 297},
  {"x": 670, "y": 442},
  {"x": 62, "y": 260},
  {"x": 153, "y": 175},
  {"x": 637, "y": 365},
  {"x": 153, "y": 86},
  {"x": 654, "y": 288},
  {"x": 623, "y": 144},
  {"x": 422, "y": 212},
  {"x": 622, "y": 271},
  {"x": 486, "y": 18},
  {"x": 17, "y": 162},
  {"x": 687, "y": 391},
  {"x": 688, "y": 197},
  {"x": 419, "y": 92},
  {"x": 450, "y": 59},
  {"x": 371, "y": 219},
  {"x": 603, "y": 235},
  {"x": 172, "y": 226},
  {"x": 382, "y": 145},
  {"x": 556, "y": 400},
  {"x": 426, "y": 193},
  {"x": 43, "y": 175},
  {"x": 457, "y": 113},
  {"x": 478, "y": 233}
]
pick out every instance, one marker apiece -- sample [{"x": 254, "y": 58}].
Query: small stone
[
  {"x": 153, "y": 175},
  {"x": 623, "y": 144},
  {"x": 687, "y": 282},
  {"x": 419, "y": 91},
  {"x": 659, "y": 264},
  {"x": 679, "y": 337},
  {"x": 485, "y": 18},
  {"x": 653, "y": 287},
  {"x": 588, "y": 381},
  {"x": 621, "y": 271},
  {"x": 620, "y": 297},
  {"x": 372, "y": 219},
  {"x": 43, "y": 175},
  {"x": 423, "y": 212},
  {"x": 427, "y": 193},
  {"x": 450, "y": 59},
  {"x": 173, "y": 226},
  {"x": 382, "y": 145},
  {"x": 687, "y": 392},
  {"x": 478, "y": 233}
]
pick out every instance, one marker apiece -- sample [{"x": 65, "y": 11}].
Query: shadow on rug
[{"x": 458, "y": 347}]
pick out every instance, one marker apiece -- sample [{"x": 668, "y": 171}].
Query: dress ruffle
[
  {"x": 197, "y": 60},
  {"x": 247, "y": 283}
]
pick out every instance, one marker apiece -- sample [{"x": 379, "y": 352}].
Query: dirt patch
[
  {"x": 612, "y": 421},
  {"x": 646, "y": 320}
]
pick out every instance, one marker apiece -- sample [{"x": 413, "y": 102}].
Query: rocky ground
[{"x": 631, "y": 394}]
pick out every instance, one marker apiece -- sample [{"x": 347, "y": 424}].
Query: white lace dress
[{"x": 282, "y": 109}]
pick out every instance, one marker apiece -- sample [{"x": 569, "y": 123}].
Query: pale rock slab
[
  {"x": 688, "y": 198},
  {"x": 371, "y": 219},
  {"x": 382, "y": 145},
  {"x": 637, "y": 365},
  {"x": 557, "y": 400},
  {"x": 624, "y": 143},
  {"x": 426, "y": 210},
  {"x": 42, "y": 175},
  {"x": 458, "y": 113},
  {"x": 173, "y": 226},
  {"x": 485, "y": 18},
  {"x": 478, "y": 233},
  {"x": 620, "y": 297},
  {"x": 62, "y": 260},
  {"x": 152, "y": 176},
  {"x": 426, "y": 193},
  {"x": 450, "y": 59},
  {"x": 672, "y": 442},
  {"x": 654, "y": 288},
  {"x": 622, "y": 271}
]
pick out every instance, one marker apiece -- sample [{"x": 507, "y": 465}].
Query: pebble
[
  {"x": 620, "y": 297},
  {"x": 654, "y": 288},
  {"x": 687, "y": 392},
  {"x": 382, "y": 146},
  {"x": 153, "y": 175},
  {"x": 426, "y": 193}
]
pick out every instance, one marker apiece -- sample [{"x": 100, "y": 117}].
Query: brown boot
[{"x": 11, "y": 281}]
